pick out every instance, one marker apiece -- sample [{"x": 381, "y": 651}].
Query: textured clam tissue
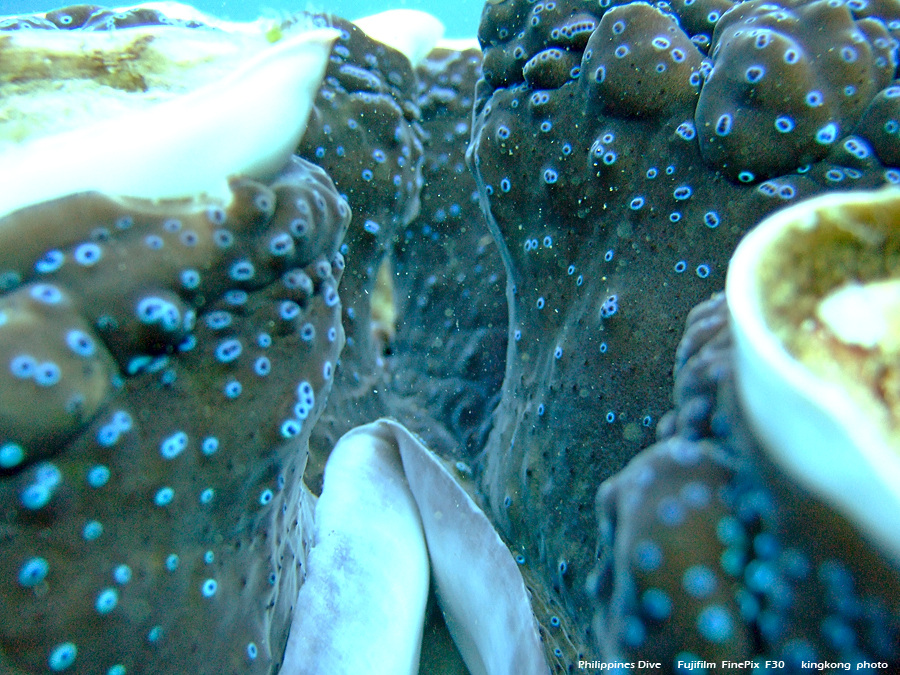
[{"x": 334, "y": 347}]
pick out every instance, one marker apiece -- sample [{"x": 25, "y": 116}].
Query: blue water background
[{"x": 459, "y": 16}]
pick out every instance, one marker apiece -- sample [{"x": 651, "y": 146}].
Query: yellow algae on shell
[
  {"x": 55, "y": 81},
  {"x": 831, "y": 289}
]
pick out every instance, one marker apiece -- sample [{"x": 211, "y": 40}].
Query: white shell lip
[
  {"x": 245, "y": 121},
  {"x": 411, "y": 32},
  {"x": 811, "y": 427}
]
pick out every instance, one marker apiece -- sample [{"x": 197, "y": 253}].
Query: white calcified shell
[
  {"x": 77, "y": 127},
  {"x": 387, "y": 500},
  {"x": 411, "y": 32},
  {"x": 814, "y": 310}
]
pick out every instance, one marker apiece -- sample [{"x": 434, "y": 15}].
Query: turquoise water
[{"x": 459, "y": 16}]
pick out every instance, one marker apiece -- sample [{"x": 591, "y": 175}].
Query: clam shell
[{"x": 815, "y": 323}]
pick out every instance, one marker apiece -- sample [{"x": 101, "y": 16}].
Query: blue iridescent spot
[
  {"x": 656, "y": 604},
  {"x": 648, "y": 556},
  {"x": 88, "y": 255},
  {"x": 47, "y": 374},
  {"x": 696, "y": 494},
  {"x": 760, "y": 576},
  {"x": 730, "y": 531},
  {"x": 208, "y": 588},
  {"x": 281, "y": 244},
  {"x": 290, "y": 428},
  {"x": 262, "y": 366},
  {"x": 23, "y": 366},
  {"x": 784, "y": 124},
  {"x": 839, "y": 635},
  {"x": 723, "y": 125},
  {"x": 715, "y": 623},
  {"x": 685, "y": 131},
  {"x": 288, "y": 310},
  {"x": 173, "y": 445},
  {"x": 754, "y": 74},
  {"x": 209, "y": 446},
  {"x": 232, "y": 389},
  {"x": 827, "y": 134},
  {"x": 609, "y": 307},
  {"x": 62, "y": 656},
  {"x": 190, "y": 279},
  {"x": 153, "y": 242},
  {"x": 50, "y": 262},
  {"x": 164, "y": 496},
  {"x": 106, "y": 601},
  {"x": 242, "y": 270},
  {"x": 634, "y": 633},
  {"x": 122, "y": 574},
  {"x": 11, "y": 455},
  {"x": 670, "y": 512},
  {"x": 814, "y": 99},
  {"x": 699, "y": 581},
  {"x": 92, "y": 530},
  {"x": 33, "y": 572}
]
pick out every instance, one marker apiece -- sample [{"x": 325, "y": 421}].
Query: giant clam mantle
[
  {"x": 152, "y": 426},
  {"x": 172, "y": 338}
]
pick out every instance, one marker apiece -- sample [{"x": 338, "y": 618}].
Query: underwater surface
[
  {"x": 519, "y": 254},
  {"x": 460, "y": 18}
]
